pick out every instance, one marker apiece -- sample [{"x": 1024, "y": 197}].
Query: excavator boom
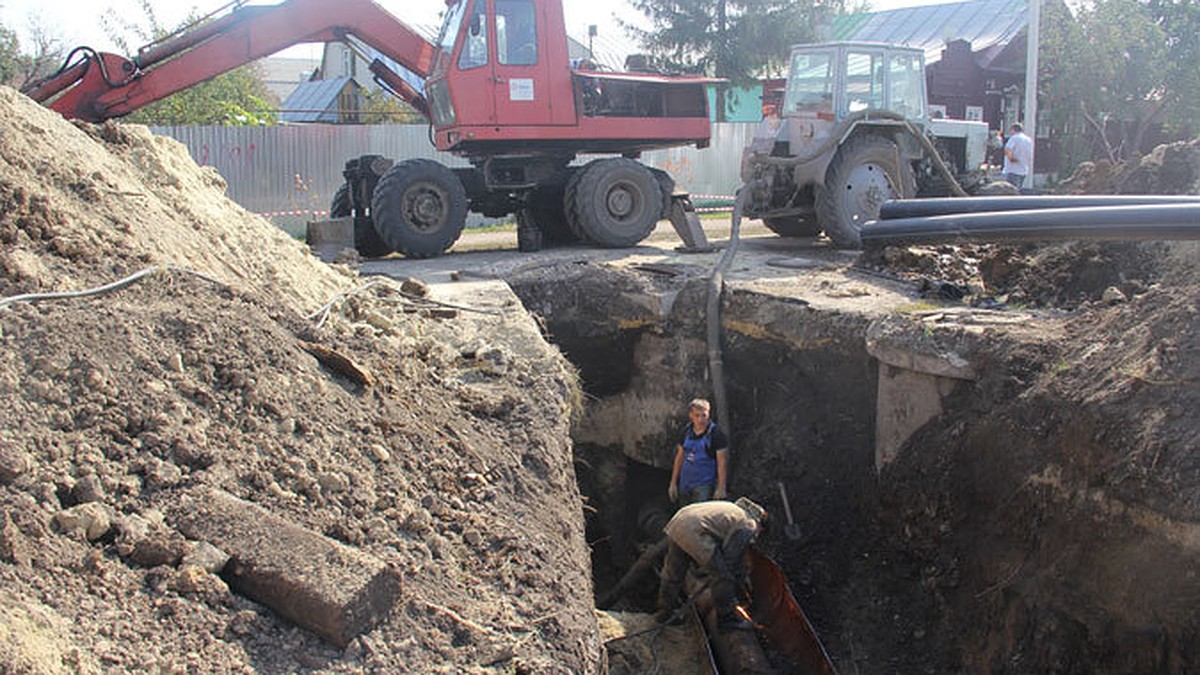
[{"x": 94, "y": 86}]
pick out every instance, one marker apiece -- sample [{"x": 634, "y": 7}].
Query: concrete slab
[{"x": 321, "y": 585}]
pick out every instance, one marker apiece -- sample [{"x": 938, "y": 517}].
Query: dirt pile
[
  {"x": 431, "y": 439},
  {"x": 1170, "y": 169}
]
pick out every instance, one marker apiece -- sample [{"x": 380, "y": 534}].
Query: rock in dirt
[
  {"x": 14, "y": 462},
  {"x": 330, "y": 589},
  {"x": 92, "y": 521}
]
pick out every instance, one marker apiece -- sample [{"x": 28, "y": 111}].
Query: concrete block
[
  {"x": 321, "y": 585},
  {"x": 328, "y": 238}
]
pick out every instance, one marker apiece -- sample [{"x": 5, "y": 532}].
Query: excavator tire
[
  {"x": 866, "y": 171},
  {"x": 569, "y": 195},
  {"x": 419, "y": 208},
  {"x": 616, "y": 202},
  {"x": 793, "y": 226},
  {"x": 366, "y": 239}
]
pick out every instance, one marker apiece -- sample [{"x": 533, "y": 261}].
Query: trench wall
[{"x": 988, "y": 542}]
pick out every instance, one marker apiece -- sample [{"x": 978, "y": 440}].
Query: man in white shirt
[{"x": 1018, "y": 157}]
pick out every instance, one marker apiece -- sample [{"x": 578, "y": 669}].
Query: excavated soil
[
  {"x": 1045, "y": 522},
  {"x": 430, "y": 438}
]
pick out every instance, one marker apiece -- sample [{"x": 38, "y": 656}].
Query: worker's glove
[
  {"x": 720, "y": 493},
  {"x": 673, "y": 493}
]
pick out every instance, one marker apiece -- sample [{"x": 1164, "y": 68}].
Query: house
[
  {"x": 974, "y": 55},
  {"x": 334, "y": 101}
]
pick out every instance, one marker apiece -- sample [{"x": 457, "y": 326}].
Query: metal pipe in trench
[
  {"x": 920, "y": 208},
  {"x": 1160, "y": 222},
  {"x": 736, "y": 652}
]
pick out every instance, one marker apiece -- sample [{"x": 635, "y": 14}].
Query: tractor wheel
[
  {"x": 616, "y": 202},
  {"x": 366, "y": 239},
  {"x": 419, "y": 208},
  {"x": 793, "y": 226},
  {"x": 866, "y": 172},
  {"x": 545, "y": 208}
]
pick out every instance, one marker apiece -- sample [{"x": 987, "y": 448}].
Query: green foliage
[
  {"x": 379, "y": 107},
  {"x": 236, "y": 98},
  {"x": 1119, "y": 68},
  {"x": 735, "y": 39},
  {"x": 10, "y": 55}
]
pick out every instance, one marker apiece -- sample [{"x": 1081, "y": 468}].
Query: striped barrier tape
[{"x": 272, "y": 214}]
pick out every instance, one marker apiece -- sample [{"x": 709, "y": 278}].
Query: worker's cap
[{"x": 753, "y": 510}]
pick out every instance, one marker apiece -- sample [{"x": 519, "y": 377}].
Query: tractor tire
[
  {"x": 419, "y": 208},
  {"x": 865, "y": 172},
  {"x": 616, "y": 202},
  {"x": 545, "y": 209},
  {"x": 366, "y": 239},
  {"x": 793, "y": 226}
]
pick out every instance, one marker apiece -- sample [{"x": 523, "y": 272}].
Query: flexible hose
[{"x": 716, "y": 284}]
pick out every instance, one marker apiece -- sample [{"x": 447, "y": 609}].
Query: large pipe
[
  {"x": 737, "y": 652},
  {"x": 1114, "y": 223},
  {"x": 919, "y": 208}
]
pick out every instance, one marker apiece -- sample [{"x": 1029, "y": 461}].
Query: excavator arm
[{"x": 95, "y": 86}]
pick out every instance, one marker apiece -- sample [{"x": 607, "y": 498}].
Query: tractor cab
[{"x": 832, "y": 81}]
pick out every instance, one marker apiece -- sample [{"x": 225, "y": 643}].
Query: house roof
[
  {"x": 314, "y": 101},
  {"x": 989, "y": 25}
]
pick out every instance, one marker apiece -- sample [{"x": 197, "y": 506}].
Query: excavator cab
[
  {"x": 499, "y": 90},
  {"x": 497, "y": 67}
]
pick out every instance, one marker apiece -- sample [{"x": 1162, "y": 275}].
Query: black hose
[
  {"x": 1116, "y": 223},
  {"x": 919, "y": 208},
  {"x": 716, "y": 284}
]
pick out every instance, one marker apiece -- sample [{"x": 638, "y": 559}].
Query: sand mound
[{"x": 431, "y": 440}]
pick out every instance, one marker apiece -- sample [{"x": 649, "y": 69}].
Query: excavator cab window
[
  {"x": 516, "y": 32},
  {"x": 475, "y": 48}
]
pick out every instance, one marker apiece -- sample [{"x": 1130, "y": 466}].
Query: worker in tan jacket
[{"x": 713, "y": 536}]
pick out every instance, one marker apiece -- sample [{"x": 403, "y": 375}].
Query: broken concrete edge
[
  {"x": 321, "y": 585},
  {"x": 886, "y": 341}
]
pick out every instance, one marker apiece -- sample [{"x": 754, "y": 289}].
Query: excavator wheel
[
  {"x": 419, "y": 208},
  {"x": 366, "y": 239},
  {"x": 793, "y": 226},
  {"x": 616, "y": 202},
  {"x": 866, "y": 172},
  {"x": 569, "y": 194}
]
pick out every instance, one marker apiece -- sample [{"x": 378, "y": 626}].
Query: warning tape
[
  {"x": 272, "y": 214},
  {"x": 325, "y": 214}
]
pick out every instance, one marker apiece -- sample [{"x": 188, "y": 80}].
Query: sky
[{"x": 79, "y": 23}]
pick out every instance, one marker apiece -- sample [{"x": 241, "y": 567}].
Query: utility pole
[
  {"x": 591, "y": 36},
  {"x": 1031, "y": 70}
]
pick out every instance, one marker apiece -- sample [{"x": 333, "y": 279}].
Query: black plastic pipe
[
  {"x": 1117, "y": 223},
  {"x": 918, "y": 208}
]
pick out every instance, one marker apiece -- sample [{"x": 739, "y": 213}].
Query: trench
[{"x": 912, "y": 557}]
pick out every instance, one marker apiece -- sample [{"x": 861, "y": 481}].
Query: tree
[
  {"x": 19, "y": 66},
  {"x": 380, "y": 107},
  {"x": 735, "y": 39},
  {"x": 1120, "y": 68},
  {"x": 236, "y": 98}
]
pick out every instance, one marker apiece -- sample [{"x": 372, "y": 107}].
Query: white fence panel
[{"x": 289, "y": 173}]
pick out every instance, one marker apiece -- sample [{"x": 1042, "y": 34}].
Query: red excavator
[{"x": 499, "y": 89}]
